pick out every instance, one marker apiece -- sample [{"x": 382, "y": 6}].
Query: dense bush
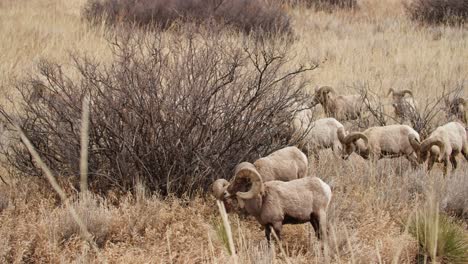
[
  {"x": 247, "y": 15},
  {"x": 438, "y": 11},
  {"x": 325, "y": 4},
  {"x": 173, "y": 112}
]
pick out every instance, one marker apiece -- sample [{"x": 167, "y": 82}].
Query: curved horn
[
  {"x": 428, "y": 143},
  {"x": 248, "y": 170},
  {"x": 390, "y": 91},
  {"x": 341, "y": 134},
  {"x": 326, "y": 89},
  {"x": 352, "y": 137},
  {"x": 219, "y": 187},
  {"x": 414, "y": 142},
  {"x": 407, "y": 92}
]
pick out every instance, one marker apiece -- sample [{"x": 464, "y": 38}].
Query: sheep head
[
  {"x": 218, "y": 188},
  {"x": 322, "y": 95},
  {"x": 247, "y": 182},
  {"x": 349, "y": 143},
  {"x": 427, "y": 145},
  {"x": 457, "y": 108}
]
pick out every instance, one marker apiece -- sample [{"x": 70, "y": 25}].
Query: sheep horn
[
  {"x": 407, "y": 92},
  {"x": 341, "y": 134},
  {"x": 414, "y": 142},
  {"x": 248, "y": 170},
  {"x": 428, "y": 143},
  {"x": 355, "y": 136},
  {"x": 326, "y": 89},
  {"x": 219, "y": 187}
]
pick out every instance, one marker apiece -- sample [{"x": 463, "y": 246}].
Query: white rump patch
[{"x": 326, "y": 189}]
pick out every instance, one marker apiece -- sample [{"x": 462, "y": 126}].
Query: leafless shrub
[
  {"x": 246, "y": 15},
  {"x": 438, "y": 11},
  {"x": 175, "y": 117}
]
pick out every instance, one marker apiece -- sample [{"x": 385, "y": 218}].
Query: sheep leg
[
  {"x": 314, "y": 220},
  {"x": 323, "y": 230},
  {"x": 430, "y": 163},
  {"x": 268, "y": 233},
  {"x": 453, "y": 160},
  {"x": 465, "y": 153},
  {"x": 413, "y": 159},
  {"x": 278, "y": 226},
  {"x": 445, "y": 167}
]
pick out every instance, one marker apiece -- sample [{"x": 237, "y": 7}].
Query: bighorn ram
[
  {"x": 341, "y": 107},
  {"x": 286, "y": 164},
  {"x": 276, "y": 203},
  {"x": 380, "y": 142},
  {"x": 403, "y": 107},
  {"x": 322, "y": 134},
  {"x": 444, "y": 143},
  {"x": 457, "y": 107}
]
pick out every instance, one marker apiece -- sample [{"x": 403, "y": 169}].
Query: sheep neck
[{"x": 254, "y": 206}]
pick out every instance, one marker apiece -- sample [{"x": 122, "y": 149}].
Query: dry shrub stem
[{"x": 84, "y": 146}]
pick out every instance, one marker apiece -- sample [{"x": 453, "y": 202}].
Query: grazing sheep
[
  {"x": 444, "y": 143},
  {"x": 321, "y": 134},
  {"x": 457, "y": 108},
  {"x": 404, "y": 107},
  {"x": 276, "y": 203},
  {"x": 286, "y": 164},
  {"x": 219, "y": 187},
  {"x": 341, "y": 107},
  {"x": 380, "y": 142}
]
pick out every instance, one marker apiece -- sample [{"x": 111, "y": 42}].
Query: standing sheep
[
  {"x": 321, "y": 134},
  {"x": 381, "y": 142},
  {"x": 444, "y": 143},
  {"x": 457, "y": 108},
  {"x": 403, "y": 107},
  {"x": 286, "y": 164},
  {"x": 341, "y": 107},
  {"x": 276, "y": 203}
]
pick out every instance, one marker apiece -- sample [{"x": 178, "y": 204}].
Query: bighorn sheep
[
  {"x": 380, "y": 142},
  {"x": 321, "y": 134},
  {"x": 444, "y": 143},
  {"x": 403, "y": 107},
  {"x": 341, "y": 107},
  {"x": 286, "y": 164},
  {"x": 457, "y": 107},
  {"x": 276, "y": 203}
]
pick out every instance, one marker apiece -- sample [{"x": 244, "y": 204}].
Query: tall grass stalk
[
  {"x": 84, "y": 146},
  {"x": 227, "y": 228}
]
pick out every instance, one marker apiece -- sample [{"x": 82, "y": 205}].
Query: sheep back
[
  {"x": 283, "y": 165},
  {"x": 294, "y": 200}
]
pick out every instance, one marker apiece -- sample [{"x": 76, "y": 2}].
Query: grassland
[{"x": 376, "y": 45}]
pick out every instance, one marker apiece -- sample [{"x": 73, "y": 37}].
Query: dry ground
[{"x": 376, "y": 45}]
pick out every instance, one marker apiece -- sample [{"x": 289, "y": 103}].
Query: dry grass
[{"x": 377, "y": 45}]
